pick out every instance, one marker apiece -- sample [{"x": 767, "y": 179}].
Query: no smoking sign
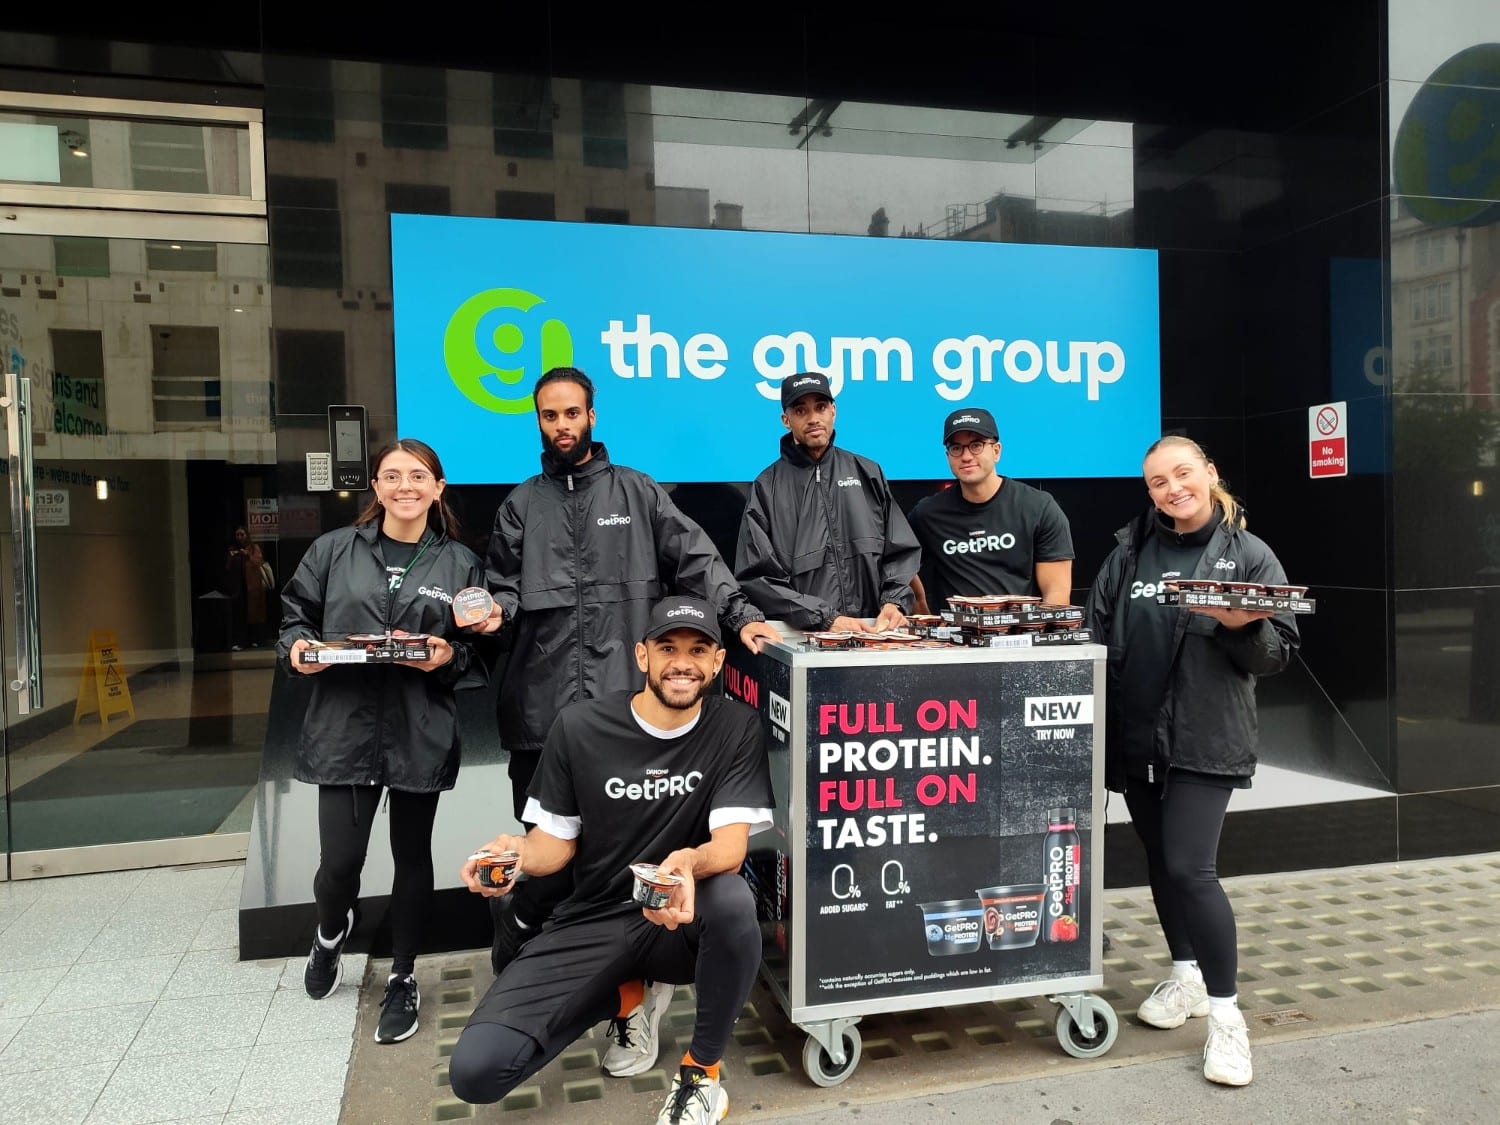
[{"x": 1327, "y": 440}]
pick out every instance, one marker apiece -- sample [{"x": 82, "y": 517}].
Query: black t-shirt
[
  {"x": 629, "y": 794},
  {"x": 398, "y": 555},
  {"x": 989, "y": 548},
  {"x": 1149, "y": 629}
]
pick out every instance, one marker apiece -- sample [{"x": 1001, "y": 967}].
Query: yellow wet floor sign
[{"x": 103, "y": 689}]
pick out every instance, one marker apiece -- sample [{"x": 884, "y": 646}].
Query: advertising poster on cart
[
  {"x": 948, "y": 828},
  {"x": 765, "y": 685}
]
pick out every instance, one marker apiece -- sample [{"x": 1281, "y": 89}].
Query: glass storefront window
[
  {"x": 152, "y": 443},
  {"x": 134, "y": 155}
]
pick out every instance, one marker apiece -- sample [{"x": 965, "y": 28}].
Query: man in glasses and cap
[
  {"x": 822, "y": 543},
  {"x": 991, "y": 534}
]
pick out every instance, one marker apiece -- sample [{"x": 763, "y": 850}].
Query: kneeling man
[{"x": 668, "y": 775}]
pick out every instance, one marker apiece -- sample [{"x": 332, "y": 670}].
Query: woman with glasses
[
  {"x": 991, "y": 534},
  {"x": 383, "y": 727},
  {"x": 1181, "y": 726}
]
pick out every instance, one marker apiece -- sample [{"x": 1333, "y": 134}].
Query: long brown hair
[
  {"x": 1234, "y": 515},
  {"x": 440, "y": 516}
]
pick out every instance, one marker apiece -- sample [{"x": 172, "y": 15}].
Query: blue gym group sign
[{"x": 687, "y": 335}]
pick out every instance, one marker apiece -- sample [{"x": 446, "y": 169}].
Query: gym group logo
[{"x": 484, "y": 348}]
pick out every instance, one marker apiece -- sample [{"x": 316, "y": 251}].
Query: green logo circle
[{"x": 469, "y": 367}]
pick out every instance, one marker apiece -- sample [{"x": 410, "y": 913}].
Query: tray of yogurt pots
[
  {"x": 367, "y": 648},
  {"x": 1281, "y": 598},
  {"x": 982, "y": 621}
]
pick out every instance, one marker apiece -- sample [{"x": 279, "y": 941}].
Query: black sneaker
[
  {"x": 325, "y": 968},
  {"x": 398, "y": 1011},
  {"x": 510, "y": 935}
]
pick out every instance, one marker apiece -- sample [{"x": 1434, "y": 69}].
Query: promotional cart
[{"x": 935, "y": 839}]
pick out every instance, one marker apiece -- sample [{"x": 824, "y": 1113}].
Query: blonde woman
[{"x": 1181, "y": 724}]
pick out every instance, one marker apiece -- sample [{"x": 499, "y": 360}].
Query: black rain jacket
[
  {"x": 1207, "y": 720},
  {"x": 578, "y": 557},
  {"x": 823, "y": 538},
  {"x": 379, "y": 724}
]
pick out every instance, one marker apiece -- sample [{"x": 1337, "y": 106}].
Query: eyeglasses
[
  {"x": 974, "y": 448},
  {"x": 417, "y": 478}
]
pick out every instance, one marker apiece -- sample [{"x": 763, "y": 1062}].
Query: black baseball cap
[
  {"x": 683, "y": 613},
  {"x": 802, "y": 384},
  {"x": 970, "y": 418}
]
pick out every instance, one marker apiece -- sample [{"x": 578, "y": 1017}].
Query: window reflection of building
[
  {"x": 349, "y": 143},
  {"x": 1445, "y": 305}
]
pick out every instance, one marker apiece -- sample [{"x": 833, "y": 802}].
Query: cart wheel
[
  {"x": 820, "y": 1067},
  {"x": 1081, "y": 1046}
]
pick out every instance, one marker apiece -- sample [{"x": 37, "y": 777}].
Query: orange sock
[
  {"x": 632, "y": 993},
  {"x": 711, "y": 1070}
]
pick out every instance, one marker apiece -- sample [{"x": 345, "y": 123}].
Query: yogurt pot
[
  {"x": 472, "y": 605},
  {"x": 830, "y": 640},
  {"x": 495, "y": 869},
  {"x": 1012, "y": 915},
  {"x": 1245, "y": 589},
  {"x": 953, "y": 927},
  {"x": 652, "y": 888},
  {"x": 1285, "y": 591}
]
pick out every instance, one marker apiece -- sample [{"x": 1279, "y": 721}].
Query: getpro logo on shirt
[{"x": 656, "y": 785}]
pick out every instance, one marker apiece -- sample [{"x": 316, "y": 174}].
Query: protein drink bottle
[{"x": 1062, "y": 871}]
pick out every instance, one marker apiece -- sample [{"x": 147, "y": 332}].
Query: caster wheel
[
  {"x": 820, "y": 1067},
  {"x": 1081, "y": 1046}
]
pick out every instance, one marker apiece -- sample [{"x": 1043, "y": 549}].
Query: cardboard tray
[
  {"x": 1238, "y": 601},
  {"x": 972, "y": 639},
  {"x": 364, "y": 652},
  {"x": 1006, "y": 618}
]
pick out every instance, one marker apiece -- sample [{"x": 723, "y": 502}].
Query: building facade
[{"x": 195, "y": 263}]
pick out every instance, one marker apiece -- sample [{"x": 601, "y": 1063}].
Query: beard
[
  {"x": 658, "y": 690},
  {"x": 581, "y": 448}
]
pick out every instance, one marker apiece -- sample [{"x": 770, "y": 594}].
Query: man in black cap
[
  {"x": 822, "y": 543},
  {"x": 670, "y": 775},
  {"x": 991, "y": 534}
]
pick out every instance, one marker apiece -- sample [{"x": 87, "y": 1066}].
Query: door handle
[{"x": 27, "y": 682}]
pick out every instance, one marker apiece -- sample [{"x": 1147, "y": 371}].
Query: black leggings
[
  {"x": 719, "y": 953},
  {"x": 1179, "y": 822},
  {"x": 346, "y": 814}
]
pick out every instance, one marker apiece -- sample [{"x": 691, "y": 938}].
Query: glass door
[{"x": 140, "y": 462}]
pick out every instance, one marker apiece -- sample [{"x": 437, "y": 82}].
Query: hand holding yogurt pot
[
  {"x": 484, "y": 871},
  {"x": 674, "y": 877}
]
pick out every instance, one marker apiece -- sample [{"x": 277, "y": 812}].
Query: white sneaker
[
  {"x": 1226, "y": 1055},
  {"x": 695, "y": 1099},
  {"x": 1173, "y": 1001},
  {"x": 635, "y": 1035}
]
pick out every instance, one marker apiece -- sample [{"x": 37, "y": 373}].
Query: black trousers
[
  {"x": 346, "y": 814},
  {"x": 567, "y": 979},
  {"x": 1179, "y": 822}
]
